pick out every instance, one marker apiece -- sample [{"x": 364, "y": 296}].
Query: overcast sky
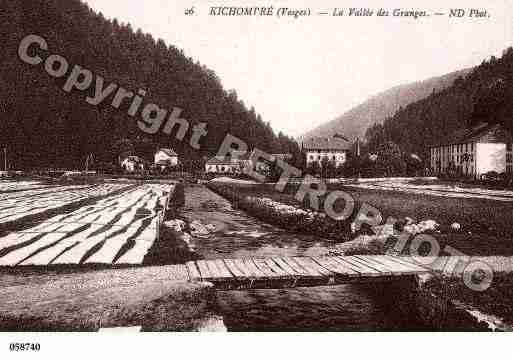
[{"x": 299, "y": 73}]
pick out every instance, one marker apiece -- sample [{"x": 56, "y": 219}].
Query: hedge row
[{"x": 294, "y": 219}]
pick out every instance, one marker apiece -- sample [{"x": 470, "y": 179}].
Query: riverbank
[
  {"x": 483, "y": 230},
  {"x": 88, "y": 300},
  {"x": 290, "y": 216},
  {"x": 484, "y": 225}
]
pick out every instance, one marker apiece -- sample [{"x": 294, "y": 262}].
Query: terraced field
[{"x": 119, "y": 228}]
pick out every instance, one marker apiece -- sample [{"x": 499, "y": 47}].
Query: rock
[
  {"x": 411, "y": 228},
  {"x": 211, "y": 227},
  {"x": 408, "y": 220},
  {"x": 366, "y": 230},
  {"x": 186, "y": 237},
  {"x": 213, "y": 323},
  {"x": 421, "y": 227},
  {"x": 455, "y": 226},
  {"x": 386, "y": 230},
  {"x": 429, "y": 225},
  {"x": 399, "y": 225},
  {"x": 175, "y": 224},
  {"x": 198, "y": 229}
]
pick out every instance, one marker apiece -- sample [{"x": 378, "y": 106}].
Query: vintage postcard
[{"x": 254, "y": 166}]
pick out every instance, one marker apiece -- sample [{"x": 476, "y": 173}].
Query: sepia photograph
[{"x": 331, "y": 167}]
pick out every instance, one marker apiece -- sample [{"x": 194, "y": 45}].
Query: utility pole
[{"x": 88, "y": 160}]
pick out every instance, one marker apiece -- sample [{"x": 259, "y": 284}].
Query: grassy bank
[
  {"x": 485, "y": 231},
  {"x": 290, "y": 216},
  {"x": 87, "y": 300},
  {"x": 485, "y": 224}
]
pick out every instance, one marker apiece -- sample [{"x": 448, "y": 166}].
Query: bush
[{"x": 289, "y": 217}]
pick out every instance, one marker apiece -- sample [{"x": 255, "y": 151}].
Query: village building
[
  {"x": 264, "y": 166},
  {"x": 238, "y": 161},
  {"x": 166, "y": 158},
  {"x": 230, "y": 164},
  {"x": 474, "y": 151},
  {"x": 132, "y": 164},
  {"x": 319, "y": 149}
]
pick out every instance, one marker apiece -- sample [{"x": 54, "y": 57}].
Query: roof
[
  {"x": 169, "y": 152},
  {"x": 327, "y": 143},
  {"x": 483, "y": 132}
]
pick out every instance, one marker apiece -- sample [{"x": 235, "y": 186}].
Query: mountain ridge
[{"x": 355, "y": 122}]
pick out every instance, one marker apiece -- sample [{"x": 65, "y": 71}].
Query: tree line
[
  {"x": 43, "y": 126},
  {"x": 484, "y": 95}
]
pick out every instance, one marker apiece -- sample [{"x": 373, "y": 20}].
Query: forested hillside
[
  {"x": 485, "y": 94},
  {"x": 42, "y": 125},
  {"x": 356, "y": 121}
]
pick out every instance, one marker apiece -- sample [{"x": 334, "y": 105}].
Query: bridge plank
[
  {"x": 406, "y": 263},
  {"x": 335, "y": 267},
  {"x": 203, "y": 268},
  {"x": 214, "y": 271},
  {"x": 317, "y": 266},
  {"x": 234, "y": 269},
  {"x": 379, "y": 267},
  {"x": 282, "y": 264},
  {"x": 179, "y": 272},
  {"x": 242, "y": 267},
  {"x": 223, "y": 269},
  {"x": 304, "y": 271},
  {"x": 313, "y": 267},
  {"x": 256, "y": 273},
  {"x": 264, "y": 268},
  {"x": 275, "y": 268},
  {"x": 398, "y": 266},
  {"x": 346, "y": 267},
  {"x": 359, "y": 267},
  {"x": 294, "y": 265},
  {"x": 193, "y": 271}
]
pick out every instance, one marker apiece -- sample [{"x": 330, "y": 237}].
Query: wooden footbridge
[{"x": 289, "y": 272}]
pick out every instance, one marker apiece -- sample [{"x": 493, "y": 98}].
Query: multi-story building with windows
[
  {"x": 474, "y": 151},
  {"x": 319, "y": 149}
]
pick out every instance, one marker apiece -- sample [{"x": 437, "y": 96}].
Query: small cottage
[
  {"x": 166, "y": 158},
  {"x": 132, "y": 164}
]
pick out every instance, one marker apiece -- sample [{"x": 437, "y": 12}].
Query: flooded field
[{"x": 345, "y": 307}]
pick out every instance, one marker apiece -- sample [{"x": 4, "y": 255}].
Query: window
[{"x": 508, "y": 146}]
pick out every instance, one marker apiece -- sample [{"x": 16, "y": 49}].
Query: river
[{"x": 337, "y": 308}]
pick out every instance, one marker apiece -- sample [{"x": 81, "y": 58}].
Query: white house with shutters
[{"x": 319, "y": 149}]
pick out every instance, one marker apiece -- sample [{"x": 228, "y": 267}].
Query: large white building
[
  {"x": 474, "y": 151},
  {"x": 333, "y": 149}
]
